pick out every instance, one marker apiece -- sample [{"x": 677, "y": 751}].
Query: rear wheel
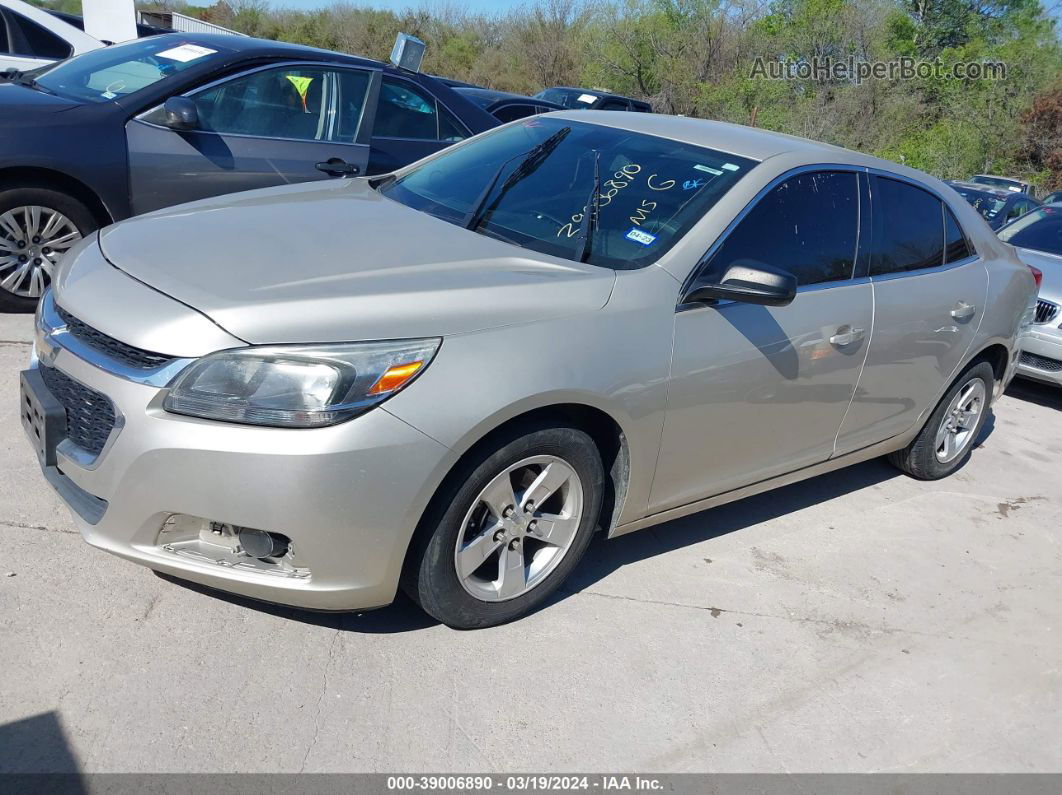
[
  {"x": 37, "y": 226},
  {"x": 508, "y": 529},
  {"x": 951, "y": 432}
]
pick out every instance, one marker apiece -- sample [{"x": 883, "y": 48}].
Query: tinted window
[
  {"x": 121, "y": 69},
  {"x": 4, "y": 47},
  {"x": 273, "y": 103},
  {"x": 36, "y": 40},
  {"x": 352, "y": 86},
  {"x": 405, "y": 112},
  {"x": 807, "y": 225},
  {"x": 568, "y": 97},
  {"x": 613, "y": 104},
  {"x": 956, "y": 246},
  {"x": 450, "y": 129},
  {"x": 531, "y": 182},
  {"x": 908, "y": 226},
  {"x": 514, "y": 112},
  {"x": 1040, "y": 230}
]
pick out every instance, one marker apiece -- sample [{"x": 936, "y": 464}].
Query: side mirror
[
  {"x": 749, "y": 282},
  {"x": 181, "y": 113}
]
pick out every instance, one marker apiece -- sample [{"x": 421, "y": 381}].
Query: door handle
[
  {"x": 847, "y": 337},
  {"x": 337, "y": 167},
  {"x": 963, "y": 311}
]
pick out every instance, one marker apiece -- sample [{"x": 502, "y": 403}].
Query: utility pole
[{"x": 110, "y": 20}]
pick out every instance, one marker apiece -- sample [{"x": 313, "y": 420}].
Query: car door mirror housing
[
  {"x": 747, "y": 281},
  {"x": 181, "y": 113}
]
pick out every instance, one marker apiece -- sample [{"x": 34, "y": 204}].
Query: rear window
[
  {"x": 112, "y": 72},
  {"x": 1040, "y": 230},
  {"x": 531, "y": 183},
  {"x": 987, "y": 204}
]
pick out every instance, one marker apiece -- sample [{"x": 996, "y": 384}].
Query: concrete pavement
[{"x": 860, "y": 621}]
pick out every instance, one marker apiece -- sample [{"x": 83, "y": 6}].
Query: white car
[{"x": 31, "y": 37}]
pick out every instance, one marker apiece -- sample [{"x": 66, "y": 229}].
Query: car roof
[
  {"x": 751, "y": 142},
  {"x": 247, "y": 45},
  {"x": 486, "y": 96}
]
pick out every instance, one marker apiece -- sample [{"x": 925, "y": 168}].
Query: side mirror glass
[
  {"x": 750, "y": 282},
  {"x": 181, "y": 113}
]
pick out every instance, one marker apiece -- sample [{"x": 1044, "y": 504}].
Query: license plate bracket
[{"x": 43, "y": 416}]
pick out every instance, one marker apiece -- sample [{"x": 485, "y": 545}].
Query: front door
[
  {"x": 266, "y": 127},
  {"x": 757, "y": 391},
  {"x": 930, "y": 290}
]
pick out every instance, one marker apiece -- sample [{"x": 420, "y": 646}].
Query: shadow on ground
[
  {"x": 1036, "y": 392},
  {"x": 606, "y": 556}
]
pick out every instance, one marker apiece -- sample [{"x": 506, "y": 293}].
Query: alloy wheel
[
  {"x": 32, "y": 239},
  {"x": 960, "y": 421},
  {"x": 519, "y": 528}
]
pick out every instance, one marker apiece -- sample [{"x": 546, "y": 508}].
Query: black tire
[
  {"x": 73, "y": 209},
  {"x": 919, "y": 459},
  {"x": 430, "y": 576}
]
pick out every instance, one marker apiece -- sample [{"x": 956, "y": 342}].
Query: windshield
[
  {"x": 529, "y": 183},
  {"x": 573, "y": 98},
  {"x": 985, "y": 203},
  {"x": 1040, "y": 230},
  {"x": 997, "y": 182},
  {"x": 111, "y": 72}
]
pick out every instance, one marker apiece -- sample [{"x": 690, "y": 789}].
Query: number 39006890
[{"x": 610, "y": 189}]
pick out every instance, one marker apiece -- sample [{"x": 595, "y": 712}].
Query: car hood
[
  {"x": 1051, "y": 267},
  {"x": 336, "y": 261},
  {"x": 21, "y": 106}
]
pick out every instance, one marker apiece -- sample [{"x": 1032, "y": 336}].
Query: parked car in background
[
  {"x": 1051, "y": 198},
  {"x": 998, "y": 205},
  {"x": 288, "y": 393},
  {"x": 78, "y": 22},
  {"x": 504, "y": 106},
  {"x": 168, "y": 119},
  {"x": 1038, "y": 238},
  {"x": 592, "y": 99},
  {"x": 1007, "y": 183},
  {"x": 31, "y": 37}
]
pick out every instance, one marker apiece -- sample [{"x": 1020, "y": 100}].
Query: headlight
[{"x": 294, "y": 386}]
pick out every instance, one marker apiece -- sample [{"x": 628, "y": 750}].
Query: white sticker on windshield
[
  {"x": 730, "y": 167},
  {"x": 638, "y": 236},
  {"x": 185, "y": 53},
  {"x": 589, "y": 99},
  {"x": 710, "y": 170}
]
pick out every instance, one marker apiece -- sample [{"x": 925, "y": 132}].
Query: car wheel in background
[
  {"x": 37, "y": 226},
  {"x": 507, "y": 528},
  {"x": 945, "y": 442}
]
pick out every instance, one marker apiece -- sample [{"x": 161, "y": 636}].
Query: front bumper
[
  {"x": 348, "y": 496},
  {"x": 1041, "y": 355}
]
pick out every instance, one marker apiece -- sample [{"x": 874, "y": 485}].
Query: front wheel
[
  {"x": 37, "y": 226},
  {"x": 508, "y": 529},
  {"x": 945, "y": 442}
]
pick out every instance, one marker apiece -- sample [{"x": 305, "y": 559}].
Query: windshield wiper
[
  {"x": 586, "y": 234},
  {"x": 532, "y": 159}
]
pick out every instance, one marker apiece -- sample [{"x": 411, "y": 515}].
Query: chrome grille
[
  {"x": 1041, "y": 362},
  {"x": 119, "y": 351},
  {"x": 1045, "y": 311},
  {"x": 90, "y": 416}
]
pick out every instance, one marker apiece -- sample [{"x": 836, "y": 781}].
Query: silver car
[
  {"x": 1038, "y": 237},
  {"x": 450, "y": 377}
]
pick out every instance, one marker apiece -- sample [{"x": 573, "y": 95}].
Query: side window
[
  {"x": 352, "y": 85},
  {"x": 908, "y": 228},
  {"x": 36, "y": 40},
  {"x": 5, "y": 47},
  {"x": 273, "y": 103},
  {"x": 614, "y": 104},
  {"x": 806, "y": 225},
  {"x": 405, "y": 112},
  {"x": 450, "y": 129},
  {"x": 956, "y": 247},
  {"x": 514, "y": 112}
]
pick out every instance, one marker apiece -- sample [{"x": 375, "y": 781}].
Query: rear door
[
  {"x": 268, "y": 126},
  {"x": 757, "y": 391},
  {"x": 930, "y": 289},
  {"x": 410, "y": 123}
]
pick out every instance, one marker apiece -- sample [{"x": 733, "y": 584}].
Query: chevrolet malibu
[{"x": 447, "y": 379}]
